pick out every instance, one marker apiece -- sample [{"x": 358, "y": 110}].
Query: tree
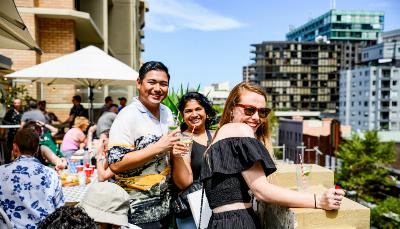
[
  {"x": 363, "y": 166},
  {"x": 363, "y": 170},
  {"x": 8, "y": 95}
]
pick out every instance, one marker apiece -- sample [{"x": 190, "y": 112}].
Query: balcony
[
  {"x": 350, "y": 215},
  {"x": 85, "y": 29}
]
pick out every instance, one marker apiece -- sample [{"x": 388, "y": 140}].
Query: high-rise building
[
  {"x": 353, "y": 29},
  {"x": 298, "y": 75},
  {"x": 62, "y": 27},
  {"x": 370, "y": 95}
]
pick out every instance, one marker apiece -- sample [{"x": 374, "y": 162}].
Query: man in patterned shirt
[
  {"x": 29, "y": 191},
  {"x": 138, "y": 147}
]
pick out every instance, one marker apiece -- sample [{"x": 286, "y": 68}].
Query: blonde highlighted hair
[{"x": 81, "y": 122}]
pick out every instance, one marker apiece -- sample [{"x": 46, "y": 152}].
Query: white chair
[{"x": 6, "y": 219}]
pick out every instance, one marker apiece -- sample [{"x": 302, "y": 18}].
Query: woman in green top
[{"x": 49, "y": 151}]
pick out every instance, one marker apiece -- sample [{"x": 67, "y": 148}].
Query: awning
[{"x": 13, "y": 32}]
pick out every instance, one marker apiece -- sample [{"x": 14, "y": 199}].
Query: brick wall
[
  {"x": 65, "y": 4},
  {"x": 57, "y": 38},
  {"x": 56, "y": 35}
]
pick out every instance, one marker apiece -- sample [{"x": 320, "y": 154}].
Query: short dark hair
[
  {"x": 150, "y": 66},
  {"x": 122, "y": 98},
  {"x": 77, "y": 98},
  {"x": 203, "y": 101},
  {"x": 33, "y": 125},
  {"x": 112, "y": 105},
  {"x": 32, "y": 104},
  {"x": 107, "y": 99},
  {"x": 67, "y": 217},
  {"x": 27, "y": 141}
]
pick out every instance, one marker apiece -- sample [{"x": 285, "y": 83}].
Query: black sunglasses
[{"x": 250, "y": 110}]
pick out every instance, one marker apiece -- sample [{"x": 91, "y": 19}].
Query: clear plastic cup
[
  {"x": 187, "y": 139},
  {"x": 303, "y": 177},
  {"x": 82, "y": 178}
]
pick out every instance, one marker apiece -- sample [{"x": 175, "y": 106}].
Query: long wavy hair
[{"x": 262, "y": 133}]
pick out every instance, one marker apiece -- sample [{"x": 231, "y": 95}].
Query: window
[
  {"x": 394, "y": 83},
  {"x": 373, "y": 82},
  {"x": 365, "y": 103},
  {"x": 338, "y": 17},
  {"x": 394, "y": 103},
  {"x": 373, "y": 93}
]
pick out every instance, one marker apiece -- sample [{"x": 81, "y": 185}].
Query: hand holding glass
[{"x": 187, "y": 140}]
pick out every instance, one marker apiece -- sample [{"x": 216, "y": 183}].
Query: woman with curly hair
[{"x": 198, "y": 114}]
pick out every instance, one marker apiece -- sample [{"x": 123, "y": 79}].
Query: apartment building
[
  {"x": 355, "y": 30},
  {"x": 297, "y": 75},
  {"x": 370, "y": 98},
  {"x": 61, "y": 27},
  {"x": 217, "y": 93}
]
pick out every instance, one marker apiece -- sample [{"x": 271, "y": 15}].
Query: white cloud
[{"x": 171, "y": 15}]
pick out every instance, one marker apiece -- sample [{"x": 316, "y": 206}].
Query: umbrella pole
[{"x": 91, "y": 95}]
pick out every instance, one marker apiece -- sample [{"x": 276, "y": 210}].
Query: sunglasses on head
[{"x": 250, "y": 110}]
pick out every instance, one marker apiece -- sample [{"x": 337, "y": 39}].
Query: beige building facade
[{"x": 61, "y": 27}]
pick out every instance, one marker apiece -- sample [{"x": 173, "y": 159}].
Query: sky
[{"x": 208, "y": 41}]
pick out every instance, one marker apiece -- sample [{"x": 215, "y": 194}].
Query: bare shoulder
[{"x": 234, "y": 130}]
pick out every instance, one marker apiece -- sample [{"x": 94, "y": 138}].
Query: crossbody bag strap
[{"x": 201, "y": 207}]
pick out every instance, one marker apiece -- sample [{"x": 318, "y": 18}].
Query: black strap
[
  {"x": 209, "y": 137},
  {"x": 201, "y": 207}
]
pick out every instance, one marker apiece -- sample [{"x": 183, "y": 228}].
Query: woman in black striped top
[{"x": 239, "y": 161}]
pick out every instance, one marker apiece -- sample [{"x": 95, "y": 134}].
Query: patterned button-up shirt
[
  {"x": 29, "y": 191},
  {"x": 135, "y": 128}
]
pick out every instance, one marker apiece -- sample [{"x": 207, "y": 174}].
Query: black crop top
[{"x": 224, "y": 162}]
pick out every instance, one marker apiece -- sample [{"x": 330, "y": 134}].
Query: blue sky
[{"x": 208, "y": 41}]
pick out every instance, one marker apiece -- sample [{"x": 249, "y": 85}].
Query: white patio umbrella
[
  {"x": 89, "y": 67},
  {"x": 13, "y": 32}
]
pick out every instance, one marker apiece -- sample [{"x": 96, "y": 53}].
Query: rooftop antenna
[{"x": 333, "y": 4}]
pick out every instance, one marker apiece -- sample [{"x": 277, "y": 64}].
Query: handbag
[
  {"x": 180, "y": 206},
  {"x": 200, "y": 208}
]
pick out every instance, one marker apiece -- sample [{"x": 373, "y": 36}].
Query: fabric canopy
[
  {"x": 13, "y": 32},
  {"x": 89, "y": 67}
]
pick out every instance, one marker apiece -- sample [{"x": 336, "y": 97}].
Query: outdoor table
[{"x": 74, "y": 194}]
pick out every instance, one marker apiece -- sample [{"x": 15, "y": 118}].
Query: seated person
[
  {"x": 29, "y": 190},
  {"x": 67, "y": 217},
  {"x": 103, "y": 171},
  {"x": 49, "y": 151},
  {"x": 75, "y": 136}
]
